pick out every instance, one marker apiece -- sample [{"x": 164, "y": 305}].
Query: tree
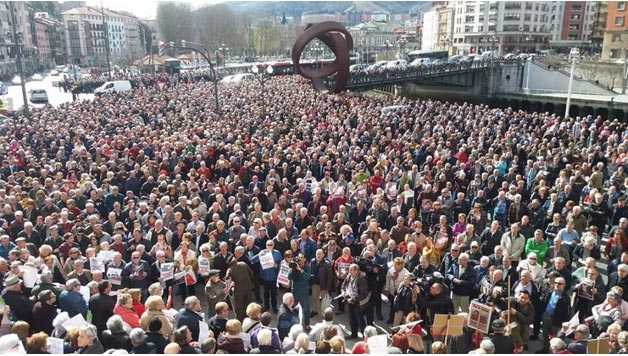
[
  {"x": 218, "y": 25},
  {"x": 175, "y": 20}
]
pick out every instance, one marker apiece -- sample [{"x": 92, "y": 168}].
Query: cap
[
  {"x": 20, "y": 239},
  {"x": 11, "y": 281},
  {"x": 154, "y": 324},
  {"x": 119, "y": 226},
  {"x": 350, "y": 237},
  {"x": 498, "y": 324},
  {"x": 213, "y": 272},
  {"x": 475, "y": 243},
  {"x": 262, "y": 229}
]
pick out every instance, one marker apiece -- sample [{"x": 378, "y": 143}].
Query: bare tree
[{"x": 175, "y": 20}]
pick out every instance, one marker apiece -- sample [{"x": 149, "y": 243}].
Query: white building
[
  {"x": 87, "y": 38},
  {"x": 506, "y": 26},
  {"x": 429, "y": 36}
]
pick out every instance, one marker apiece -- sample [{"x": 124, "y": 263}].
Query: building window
[
  {"x": 614, "y": 53},
  {"x": 616, "y": 38},
  {"x": 572, "y": 37},
  {"x": 575, "y": 17},
  {"x": 576, "y": 7},
  {"x": 621, "y": 5},
  {"x": 574, "y": 27},
  {"x": 527, "y": 17},
  {"x": 619, "y": 20}
]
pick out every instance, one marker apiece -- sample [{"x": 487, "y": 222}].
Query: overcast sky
[{"x": 145, "y": 9}]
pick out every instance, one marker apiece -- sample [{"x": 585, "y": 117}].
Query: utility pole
[
  {"x": 18, "y": 51},
  {"x": 106, "y": 28},
  {"x": 624, "y": 72}
]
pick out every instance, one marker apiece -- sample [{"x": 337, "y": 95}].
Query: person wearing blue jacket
[
  {"x": 268, "y": 275},
  {"x": 71, "y": 300},
  {"x": 307, "y": 245}
]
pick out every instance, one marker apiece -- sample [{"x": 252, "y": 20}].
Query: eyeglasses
[
  {"x": 474, "y": 247},
  {"x": 559, "y": 283},
  {"x": 532, "y": 258},
  {"x": 455, "y": 250},
  {"x": 135, "y": 258}
]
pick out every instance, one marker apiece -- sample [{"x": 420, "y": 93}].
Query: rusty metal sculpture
[{"x": 339, "y": 41}]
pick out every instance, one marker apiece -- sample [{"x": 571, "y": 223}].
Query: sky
[{"x": 144, "y": 9}]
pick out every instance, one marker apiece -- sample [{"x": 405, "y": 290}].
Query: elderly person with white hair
[
  {"x": 289, "y": 341},
  {"x": 115, "y": 337},
  {"x": 71, "y": 300},
  {"x": 588, "y": 248},
  {"x": 88, "y": 342},
  {"x": 264, "y": 338},
  {"x": 535, "y": 268}
]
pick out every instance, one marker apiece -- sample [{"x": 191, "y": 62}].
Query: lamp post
[
  {"x": 18, "y": 50},
  {"x": 387, "y": 45},
  {"x": 262, "y": 76},
  {"x": 401, "y": 43},
  {"x": 574, "y": 57},
  {"x": 317, "y": 49},
  {"x": 205, "y": 53},
  {"x": 222, "y": 50}
]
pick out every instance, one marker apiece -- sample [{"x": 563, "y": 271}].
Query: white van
[
  {"x": 417, "y": 62},
  {"x": 399, "y": 63},
  {"x": 117, "y": 86}
]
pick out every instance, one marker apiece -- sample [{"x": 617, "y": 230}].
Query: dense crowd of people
[{"x": 308, "y": 204}]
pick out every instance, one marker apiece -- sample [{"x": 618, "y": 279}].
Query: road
[{"x": 56, "y": 96}]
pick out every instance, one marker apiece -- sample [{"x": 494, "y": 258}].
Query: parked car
[
  {"x": 438, "y": 61},
  {"x": 54, "y": 72},
  {"x": 377, "y": 65},
  {"x": 37, "y": 77},
  {"x": 16, "y": 80},
  {"x": 38, "y": 96},
  {"x": 399, "y": 63},
  {"x": 417, "y": 62},
  {"x": 358, "y": 67},
  {"x": 454, "y": 59}
]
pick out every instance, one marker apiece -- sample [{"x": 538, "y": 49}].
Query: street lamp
[
  {"x": 387, "y": 45},
  {"x": 205, "y": 53},
  {"x": 317, "y": 49},
  {"x": 401, "y": 43},
  {"x": 574, "y": 58},
  {"x": 224, "y": 49},
  {"x": 262, "y": 76},
  {"x": 18, "y": 49}
]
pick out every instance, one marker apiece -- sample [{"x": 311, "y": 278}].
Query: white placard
[
  {"x": 106, "y": 256},
  {"x": 166, "y": 271},
  {"x": 282, "y": 277},
  {"x": 55, "y": 346},
  {"x": 378, "y": 344},
  {"x": 75, "y": 322},
  {"x": 203, "y": 266},
  {"x": 179, "y": 277},
  {"x": 85, "y": 293},
  {"x": 29, "y": 276},
  {"x": 266, "y": 260},
  {"x": 114, "y": 276},
  {"x": 203, "y": 331},
  {"x": 300, "y": 313},
  {"x": 343, "y": 269},
  {"x": 96, "y": 264}
]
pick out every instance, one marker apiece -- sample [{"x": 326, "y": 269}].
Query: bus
[
  {"x": 439, "y": 54},
  {"x": 172, "y": 65}
]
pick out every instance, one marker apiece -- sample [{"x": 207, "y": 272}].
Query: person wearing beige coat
[{"x": 154, "y": 308}]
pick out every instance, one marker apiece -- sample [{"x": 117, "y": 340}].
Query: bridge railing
[{"x": 390, "y": 75}]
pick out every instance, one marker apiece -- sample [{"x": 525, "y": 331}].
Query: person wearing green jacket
[
  {"x": 537, "y": 244},
  {"x": 300, "y": 277}
]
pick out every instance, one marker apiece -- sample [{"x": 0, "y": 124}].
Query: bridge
[{"x": 458, "y": 74}]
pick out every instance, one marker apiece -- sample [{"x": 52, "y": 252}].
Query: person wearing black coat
[
  {"x": 44, "y": 312},
  {"x": 21, "y": 307},
  {"x": 462, "y": 279},
  {"x": 434, "y": 300},
  {"x": 404, "y": 300},
  {"x": 556, "y": 312},
  {"x": 155, "y": 336},
  {"x": 189, "y": 316},
  {"x": 218, "y": 323},
  {"x": 264, "y": 350},
  {"x": 114, "y": 338},
  {"x": 101, "y": 306}
]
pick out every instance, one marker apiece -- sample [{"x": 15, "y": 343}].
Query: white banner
[
  {"x": 96, "y": 264},
  {"x": 29, "y": 276}
]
